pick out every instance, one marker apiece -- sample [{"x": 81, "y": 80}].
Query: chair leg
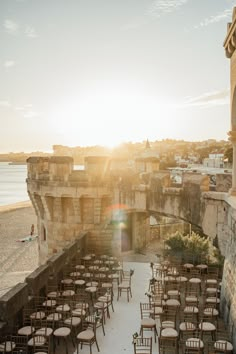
[
  {"x": 66, "y": 344},
  {"x": 97, "y": 345}
]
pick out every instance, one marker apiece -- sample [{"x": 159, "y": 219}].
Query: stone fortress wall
[{"x": 113, "y": 206}]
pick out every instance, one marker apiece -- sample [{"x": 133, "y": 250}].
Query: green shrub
[{"x": 191, "y": 248}]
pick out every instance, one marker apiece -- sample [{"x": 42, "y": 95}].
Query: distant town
[{"x": 171, "y": 153}]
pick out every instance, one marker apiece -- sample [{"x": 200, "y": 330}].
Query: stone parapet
[{"x": 12, "y": 302}]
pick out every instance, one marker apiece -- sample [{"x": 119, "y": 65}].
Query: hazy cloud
[
  {"x": 9, "y": 63},
  {"x": 30, "y": 32},
  {"x": 11, "y": 27},
  {"x": 156, "y": 9},
  {"x": 227, "y": 13},
  {"x": 24, "y": 107},
  {"x": 214, "y": 98},
  {"x": 4, "y": 103},
  {"x": 135, "y": 23},
  {"x": 31, "y": 114},
  {"x": 160, "y": 7}
]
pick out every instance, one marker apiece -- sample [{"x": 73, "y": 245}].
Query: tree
[{"x": 228, "y": 154}]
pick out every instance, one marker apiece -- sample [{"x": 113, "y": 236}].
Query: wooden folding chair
[
  {"x": 142, "y": 345},
  {"x": 147, "y": 323}
]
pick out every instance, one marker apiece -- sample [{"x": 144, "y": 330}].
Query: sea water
[{"x": 13, "y": 187}]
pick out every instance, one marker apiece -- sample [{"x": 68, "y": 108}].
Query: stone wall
[{"x": 13, "y": 302}]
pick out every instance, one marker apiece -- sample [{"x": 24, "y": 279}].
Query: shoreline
[{"x": 15, "y": 206}]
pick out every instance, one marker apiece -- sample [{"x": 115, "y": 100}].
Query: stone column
[{"x": 232, "y": 138}]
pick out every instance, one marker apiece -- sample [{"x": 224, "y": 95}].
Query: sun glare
[{"x": 108, "y": 118}]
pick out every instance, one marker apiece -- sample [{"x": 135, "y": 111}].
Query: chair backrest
[
  {"x": 145, "y": 308},
  {"x": 168, "y": 316},
  {"x": 142, "y": 345},
  {"x": 168, "y": 345},
  {"x": 20, "y": 344},
  {"x": 40, "y": 344},
  {"x": 193, "y": 346}
]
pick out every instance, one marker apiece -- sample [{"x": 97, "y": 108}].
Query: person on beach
[{"x": 32, "y": 230}]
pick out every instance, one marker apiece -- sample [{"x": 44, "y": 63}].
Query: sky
[{"x": 104, "y": 72}]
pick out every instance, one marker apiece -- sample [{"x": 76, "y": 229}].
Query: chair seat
[
  {"x": 182, "y": 279},
  {"x": 53, "y": 294},
  {"x": 54, "y": 316},
  {"x": 157, "y": 310},
  {"x": 173, "y": 292},
  {"x": 82, "y": 305},
  {"x": 37, "y": 341},
  {"x": 100, "y": 305},
  {"x": 79, "y": 282},
  {"x": 62, "y": 332},
  {"x": 80, "y": 266},
  {"x": 68, "y": 293},
  {"x": 104, "y": 298},
  {"x": 86, "y": 335},
  {"x": 49, "y": 303},
  {"x": 44, "y": 331},
  {"x": 207, "y": 326},
  {"x": 107, "y": 285},
  {"x": 194, "y": 343},
  {"x": 191, "y": 309},
  {"x": 7, "y": 347},
  {"x": 172, "y": 302},
  {"x": 91, "y": 289},
  {"x": 63, "y": 308},
  {"x": 25, "y": 331},
  {"x": 73, "y": 321},
  {"x": 92, "y": 283},
  {"x": 187, "y": 326},
  {"x": 167, "y": 324},
  {"x": 148, "y": 322},
  {"x": 78, "y": 312},
  {"x": 67, "y": 281},
  {"x": 210, "y": 311},
  {"x": 169, "y": 332},
  {"x": 211, "y": 281},
  {"x": 195, "y": 280},
  {"x": 212, "y": 300},
  {"x": 219, "y": 344},
  {"x": 113, "y": 276},
  {"x": 37, "y": 315},
  {"x": 191, "y": 298}
]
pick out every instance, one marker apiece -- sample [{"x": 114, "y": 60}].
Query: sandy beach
[{"x": 17, "y": 259}]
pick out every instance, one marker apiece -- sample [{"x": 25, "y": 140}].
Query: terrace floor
[{"x": 125, "y": 319}]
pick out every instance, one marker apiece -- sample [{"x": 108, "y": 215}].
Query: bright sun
[{"x": 106, "y": 118}]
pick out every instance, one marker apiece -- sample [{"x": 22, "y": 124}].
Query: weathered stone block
[{"x": 13, "y": 301}]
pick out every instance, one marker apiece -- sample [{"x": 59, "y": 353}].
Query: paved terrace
[{"x": 125, "y": 320}]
